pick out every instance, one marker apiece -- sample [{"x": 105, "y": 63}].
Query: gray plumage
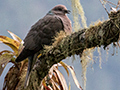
[{"x": 42, "y": 33}]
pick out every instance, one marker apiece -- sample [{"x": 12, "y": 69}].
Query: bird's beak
[{"x": 67, "y": 11}]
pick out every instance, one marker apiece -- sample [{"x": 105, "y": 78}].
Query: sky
[{"x": 19, "y": 15}]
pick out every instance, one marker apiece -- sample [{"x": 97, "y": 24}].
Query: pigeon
[{"x": 42, "y": 33}]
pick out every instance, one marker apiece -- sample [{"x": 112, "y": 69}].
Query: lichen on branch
[{"x": 102, "y": 34}]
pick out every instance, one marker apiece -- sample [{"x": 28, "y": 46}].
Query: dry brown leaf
[
  {"x": 65, "y": 67},
  {"x": 4, "y": 59},
  {"x": 11, "y": 43},
  {"x": 74, "y": 77},
  {"x": 55, "y": 85},
  {"x": 15, "y": 37},
  {"x": 62, "y": 79}
]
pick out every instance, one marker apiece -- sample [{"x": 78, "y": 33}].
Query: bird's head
[{"x": 60, "y": 9}]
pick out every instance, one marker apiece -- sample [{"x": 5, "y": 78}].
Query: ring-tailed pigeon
[{"x": 42, "y": 33}]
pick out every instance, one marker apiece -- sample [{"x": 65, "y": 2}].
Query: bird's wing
[{"x": 40, "y": 34}]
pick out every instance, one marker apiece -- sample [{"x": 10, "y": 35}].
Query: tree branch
[{"x": 102, "y": 34}]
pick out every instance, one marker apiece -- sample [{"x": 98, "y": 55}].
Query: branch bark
[{"x": 102, "y": 34}]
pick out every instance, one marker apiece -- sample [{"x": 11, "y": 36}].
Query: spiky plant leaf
[
  {"x": 5, "y": 57},
  {"x": 15, "y": 37},
  {"x": 61, "y": 78},
  {"x": 14, "y": 45},
  {"x": 65, "y": 67},
  {"x": 74, "y": 77}
]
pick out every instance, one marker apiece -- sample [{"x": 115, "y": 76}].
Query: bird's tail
[
  {"x": 24, "y": 54},
  {"x": 31, "y": 62}
]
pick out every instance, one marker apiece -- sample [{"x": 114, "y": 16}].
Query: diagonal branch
[{"x": 102, "y": 34}]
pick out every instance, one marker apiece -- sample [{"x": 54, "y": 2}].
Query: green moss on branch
[{"x": 102, "y": 34}]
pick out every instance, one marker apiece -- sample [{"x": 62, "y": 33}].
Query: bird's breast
[{"x": 67, "y": 24}]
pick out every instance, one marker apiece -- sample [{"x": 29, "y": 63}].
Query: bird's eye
[{"x": 60, "y": 9}]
